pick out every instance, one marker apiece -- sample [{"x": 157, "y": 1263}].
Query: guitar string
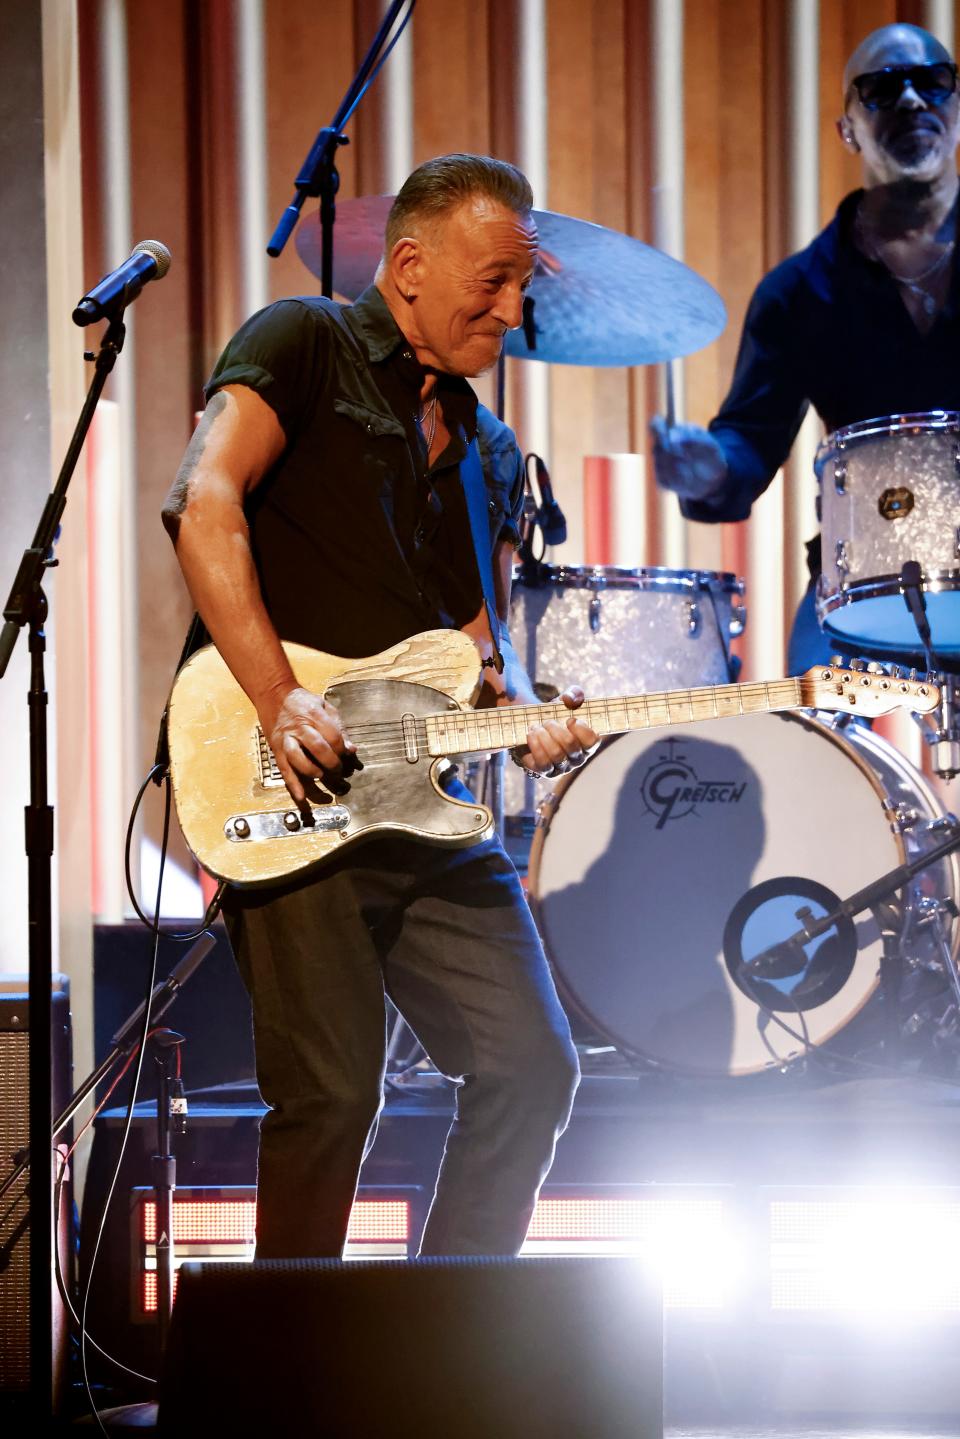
[
  {"x": 670, "y": 699},
  {"x": 384, "y": 740}
]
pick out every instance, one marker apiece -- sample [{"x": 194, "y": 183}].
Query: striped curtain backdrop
[{"x": 706, "y": 127}]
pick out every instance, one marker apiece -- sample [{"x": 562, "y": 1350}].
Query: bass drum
[{"x": 672, "y": 858}]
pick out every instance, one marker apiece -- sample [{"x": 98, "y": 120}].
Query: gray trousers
[{"x": 448, "y": 935}]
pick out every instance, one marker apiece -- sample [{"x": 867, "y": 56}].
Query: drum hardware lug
[
  {"x": 594, "y": 610},
  {"x": 899, "y": 816},
  {"x": 840, "y": 477},
  {"x": 693, "y": 619},
  {"x": 545, "y": 810},
  {"x": 738, "y": 621},
  {"x": 842, "y": 557}
]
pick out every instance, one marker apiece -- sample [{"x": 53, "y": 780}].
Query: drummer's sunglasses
[{"x": 881, "y": 89}]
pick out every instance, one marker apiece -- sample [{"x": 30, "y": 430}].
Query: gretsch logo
[{"x": 672, "y": 789}]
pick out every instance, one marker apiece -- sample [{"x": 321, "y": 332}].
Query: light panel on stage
[{"x": 870, "y": 1253}]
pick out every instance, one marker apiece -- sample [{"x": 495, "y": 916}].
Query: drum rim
[
  {"x": 635, "y": 577},
  {"x": 552, "y": 804},
  {"x": 874, "y": 587},
  {"x": 836, "y": 440}
]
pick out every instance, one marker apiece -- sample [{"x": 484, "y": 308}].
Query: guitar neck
[{"x": 464, "y": 731}]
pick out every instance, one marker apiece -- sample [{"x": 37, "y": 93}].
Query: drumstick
[{"x": 670, "y": 402}]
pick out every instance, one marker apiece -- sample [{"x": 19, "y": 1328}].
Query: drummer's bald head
[
  {"x": 893, "y": 45},
  {"x": 441, "y": 185}
]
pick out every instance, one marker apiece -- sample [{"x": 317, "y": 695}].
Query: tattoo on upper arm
[{"x": 176, "y": 501}]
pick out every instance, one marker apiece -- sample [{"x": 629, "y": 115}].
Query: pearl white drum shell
[
  {"x": 890, "y": 492},
  {"x": 617, "y": 631},
  {"x": 633, "y": 902}
]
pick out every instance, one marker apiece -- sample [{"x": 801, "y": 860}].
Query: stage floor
[{"x": 848, "y": 1430}]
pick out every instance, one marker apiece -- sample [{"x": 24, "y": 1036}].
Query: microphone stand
[
  {"x": 318, "y": 175},
  {"x": 171, "y": 1105},
  {"x": 945, "y": 736},
  {"x": 27, "y": 606},
  {"x": 123, "y": 1042},
  {"x": 789, "y": 956}
]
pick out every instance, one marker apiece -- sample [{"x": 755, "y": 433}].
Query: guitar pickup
[{"x": 285, "y": 823}]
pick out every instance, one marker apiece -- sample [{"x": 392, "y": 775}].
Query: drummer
[{"x": 864, "y": 322}]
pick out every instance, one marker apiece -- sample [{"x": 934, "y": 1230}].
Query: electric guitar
[{"x": 407, "y": 710}]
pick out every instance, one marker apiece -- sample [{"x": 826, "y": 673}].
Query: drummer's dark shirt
[
  {"x": 357, "y": 543},
  {"x": 827, "y": 328}
]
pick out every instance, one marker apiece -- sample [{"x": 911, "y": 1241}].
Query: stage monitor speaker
[
  {"x": 15, "y": 1205},
  {"x": 430, "y": 1349}
]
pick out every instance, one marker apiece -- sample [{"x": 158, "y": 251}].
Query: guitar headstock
[{"x": 868, "y": 689}]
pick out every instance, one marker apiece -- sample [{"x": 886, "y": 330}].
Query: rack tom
[
  {"x": 889, "y": 493},
  {"x": 618, "y": 631}
]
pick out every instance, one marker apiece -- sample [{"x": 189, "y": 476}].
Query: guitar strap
[{"x": 478, "y": 510}]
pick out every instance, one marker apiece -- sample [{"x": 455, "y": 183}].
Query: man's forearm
[{"x": 213, "y": 549}]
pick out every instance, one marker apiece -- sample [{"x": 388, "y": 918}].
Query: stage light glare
[{"x": 877, "y": 1256}]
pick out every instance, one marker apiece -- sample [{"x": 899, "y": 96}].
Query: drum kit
[{"x": 655, "y": 868}]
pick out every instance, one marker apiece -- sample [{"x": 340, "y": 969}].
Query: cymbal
[{"x": 598, "y": 297}]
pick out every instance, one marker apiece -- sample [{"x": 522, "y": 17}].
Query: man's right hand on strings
[{"x": 307, "y": 738}]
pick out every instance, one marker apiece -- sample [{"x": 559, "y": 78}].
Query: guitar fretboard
[{"x": 464, "y": 731}]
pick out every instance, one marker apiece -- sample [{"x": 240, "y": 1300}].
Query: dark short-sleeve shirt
[
  {"x": 358, "y": 543},
  {"x": 827, "y": 328}
]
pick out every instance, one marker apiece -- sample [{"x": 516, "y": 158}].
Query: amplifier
[{"x": 14, "y": 1207}]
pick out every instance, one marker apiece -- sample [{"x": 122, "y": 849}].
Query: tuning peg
[
  {"x": 912, "y": 676},
  {"x": 876, "y": 668},
  {"x": 896, "y": 673},
  {"x": 837, "y": 662},
  {"x": 857, "y": 665}
]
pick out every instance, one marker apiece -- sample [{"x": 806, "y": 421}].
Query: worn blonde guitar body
[
  {"x": 406, "y": 710},
  {"x": 220, "y": 770}
]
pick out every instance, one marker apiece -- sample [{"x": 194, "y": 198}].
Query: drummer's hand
[
  {"x": 555, "y": 748},
  {"x": 687, "y": 460}
]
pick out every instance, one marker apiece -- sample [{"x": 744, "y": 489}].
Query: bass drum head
[{"x": 674, "y": 855}]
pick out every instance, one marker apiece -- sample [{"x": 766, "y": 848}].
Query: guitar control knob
[
  {"x": 291, "y": 819},
  {"x": 241, "y": 828}
]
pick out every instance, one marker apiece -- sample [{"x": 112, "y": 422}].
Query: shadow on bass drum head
[{"x": 675, "y": 854}]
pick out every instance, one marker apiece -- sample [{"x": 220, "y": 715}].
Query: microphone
[
  {"x": 915, "y": 601},
  {"x": 550, "y": 517},
  {"x": 150, "y": 261}
]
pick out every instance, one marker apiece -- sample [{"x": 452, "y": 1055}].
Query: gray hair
[{"x": 440, "y": 185}]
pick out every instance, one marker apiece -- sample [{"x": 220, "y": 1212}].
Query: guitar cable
[
  {"x": 159, "y": 775},
  {"x": 154, "y": 927}
]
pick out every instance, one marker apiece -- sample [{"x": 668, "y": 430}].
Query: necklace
[
  {"x": 428, "y": 427},
  {"x": 914, "y": 283}
]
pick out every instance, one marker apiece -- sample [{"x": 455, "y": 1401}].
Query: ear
[
  {"x": 845, "y": 131},
  {"x": 405, "y": 265}
]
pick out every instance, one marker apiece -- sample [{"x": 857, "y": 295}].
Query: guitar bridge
[{"x": 270, "y": 776}]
